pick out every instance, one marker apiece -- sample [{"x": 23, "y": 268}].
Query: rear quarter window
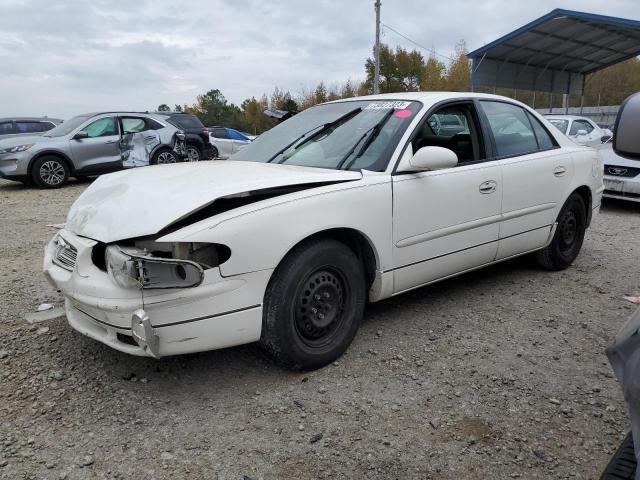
[{"x": 186, "y": 121}]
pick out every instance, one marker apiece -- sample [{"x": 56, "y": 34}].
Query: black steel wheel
[
  {"x": 568, "y": 237},
  {"x": 313, "y": 305}
]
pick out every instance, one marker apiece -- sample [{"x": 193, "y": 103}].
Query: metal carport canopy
[{"x": 555, "y": 52}]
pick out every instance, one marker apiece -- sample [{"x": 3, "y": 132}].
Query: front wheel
[
  {"x": 313, "y": 305},
  {"x": 50, "y": 172},
  {"x": 568, "y": 237}
]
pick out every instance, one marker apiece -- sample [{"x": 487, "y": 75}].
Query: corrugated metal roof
[{"x": 554, "y": 52}]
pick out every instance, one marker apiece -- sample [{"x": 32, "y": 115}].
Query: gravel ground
[{"x": 496, "y": 374}]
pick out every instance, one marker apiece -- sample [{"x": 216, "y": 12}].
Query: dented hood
[{"x": 141, "y": 202}]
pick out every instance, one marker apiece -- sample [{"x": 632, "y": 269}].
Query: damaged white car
[{"x": 347, "y": 202}]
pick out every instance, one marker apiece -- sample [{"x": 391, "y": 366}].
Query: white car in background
[
  {"x": 226, "y": 142},
  {"x": 581, "y": 130},
  {"x": 621, "y": 175},
  {"x": 346, "y": 202}
]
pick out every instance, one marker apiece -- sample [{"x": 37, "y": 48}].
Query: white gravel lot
[{"x": 500, "y": 373}]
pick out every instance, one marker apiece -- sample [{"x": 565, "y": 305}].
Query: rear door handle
[
  {"x": 559, "y": 171},
  {"x": 488, "y": 187},
  {"x": 112, "y": 141}
]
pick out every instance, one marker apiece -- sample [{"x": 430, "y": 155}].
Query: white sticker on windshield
[{"x": 387, "y": 105}]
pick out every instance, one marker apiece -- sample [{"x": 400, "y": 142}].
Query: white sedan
[
  {"x": 581, "y": 130},
  {"x": 347, "y": 202}
]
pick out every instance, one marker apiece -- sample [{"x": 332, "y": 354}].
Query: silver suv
[{"x": 86, "y": 145}]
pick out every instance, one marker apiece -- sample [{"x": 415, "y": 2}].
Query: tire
[
  {"x": 623, "y": 464},
  {"x": 214, "y": 153},
  {"x": 50, "y": 172},
  {"x": 193, "y": 154},
  {"x": 164, "y": 156},
  {"x": 313, "y": 305},
  {"x": 568, "y": 237}
]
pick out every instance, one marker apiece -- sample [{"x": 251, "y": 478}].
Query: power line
[{"x": 430, "y": 50}]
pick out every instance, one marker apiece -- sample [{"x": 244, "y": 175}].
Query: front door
[
  {"x": 100, "y": 151},
  {"x": 446, "y": 221}
]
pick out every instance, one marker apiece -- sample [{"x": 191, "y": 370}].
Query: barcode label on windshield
[{"x": 387, "y": 105}]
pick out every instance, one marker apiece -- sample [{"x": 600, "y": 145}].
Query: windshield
[
  {"x": 560, "y": 124},
  {"x": 67, "y": 127},
  {"x": 346, "y": 135}
]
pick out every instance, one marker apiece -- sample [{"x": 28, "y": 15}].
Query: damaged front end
[{"x": 153, "y": 298}]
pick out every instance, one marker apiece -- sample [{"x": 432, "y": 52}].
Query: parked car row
[{"x": 46, "y": 152}]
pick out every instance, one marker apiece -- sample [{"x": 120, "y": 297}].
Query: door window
[
  {"x": 235, "y": 135},
  {"x": 453, "y": 127},
  {"x": 545, "y": 140},
  {"x": 30, "y": 127},
  {"x": 512, "y": 130},
  {"x": 133, "y": 125},
  {"x": 580, "y": 125},
  {"x": 220, "y": 133},
  {"x": 102, "y": 128},
  {"x": 6, "y": 128}
]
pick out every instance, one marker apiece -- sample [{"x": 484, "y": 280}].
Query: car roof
[
  {"x": 29, "y": 119},
  {"x": 428, "y": 97},
  {"x": 562, "y": 116}
]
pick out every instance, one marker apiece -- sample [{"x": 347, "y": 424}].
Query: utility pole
[{"x": 376, "y": 74}]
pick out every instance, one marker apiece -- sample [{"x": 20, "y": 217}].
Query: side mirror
[
  {"x": 605, "y": 138},
  {"x": 581, "y": 133},
  {"x": 80, "y": 135},
  {"x": 428, "y": 158},
  {"x": 626, "y": 141}
]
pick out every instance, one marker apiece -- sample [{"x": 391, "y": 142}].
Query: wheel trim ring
[
  {"x": 318, "y": 332},
  {"x": 52, "y": 172}
]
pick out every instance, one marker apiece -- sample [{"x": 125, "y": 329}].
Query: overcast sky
[{"x": 65, "y": 57}]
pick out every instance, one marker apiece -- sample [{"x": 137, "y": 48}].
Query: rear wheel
[
  {"x": 193, "y": 154},
  {"x": 164, "y": 156},
  {"x": 313, "y": 305},
  {"x": 49, "y": 172},
  {"x": 568, "y": 237}
]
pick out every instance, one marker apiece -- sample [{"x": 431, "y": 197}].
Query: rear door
[
  {"x": 446, "y": 221},
  {"x": 239, "y": 141},
  {"x": 223, "y": 142},
  {"x": 536, "y": 176},
  {"x": 100, "y": 152}
]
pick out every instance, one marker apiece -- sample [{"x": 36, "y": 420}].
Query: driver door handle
[
  {"x": 112, "y": 141},
  {"x": 488, "y": 187}
]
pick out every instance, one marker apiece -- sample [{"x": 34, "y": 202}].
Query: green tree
[
  {"x": 433, "y": 78},
  {"x": 458, "y": 77},
  {"x": 400, "y": 70},
  {"x": 163, "y": 107},
  {"x": 177, "y": 108}
]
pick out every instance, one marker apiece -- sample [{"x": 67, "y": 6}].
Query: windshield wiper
[
  {"x": 372, "y": 133},
  {"x": 322, "y": 129}
]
